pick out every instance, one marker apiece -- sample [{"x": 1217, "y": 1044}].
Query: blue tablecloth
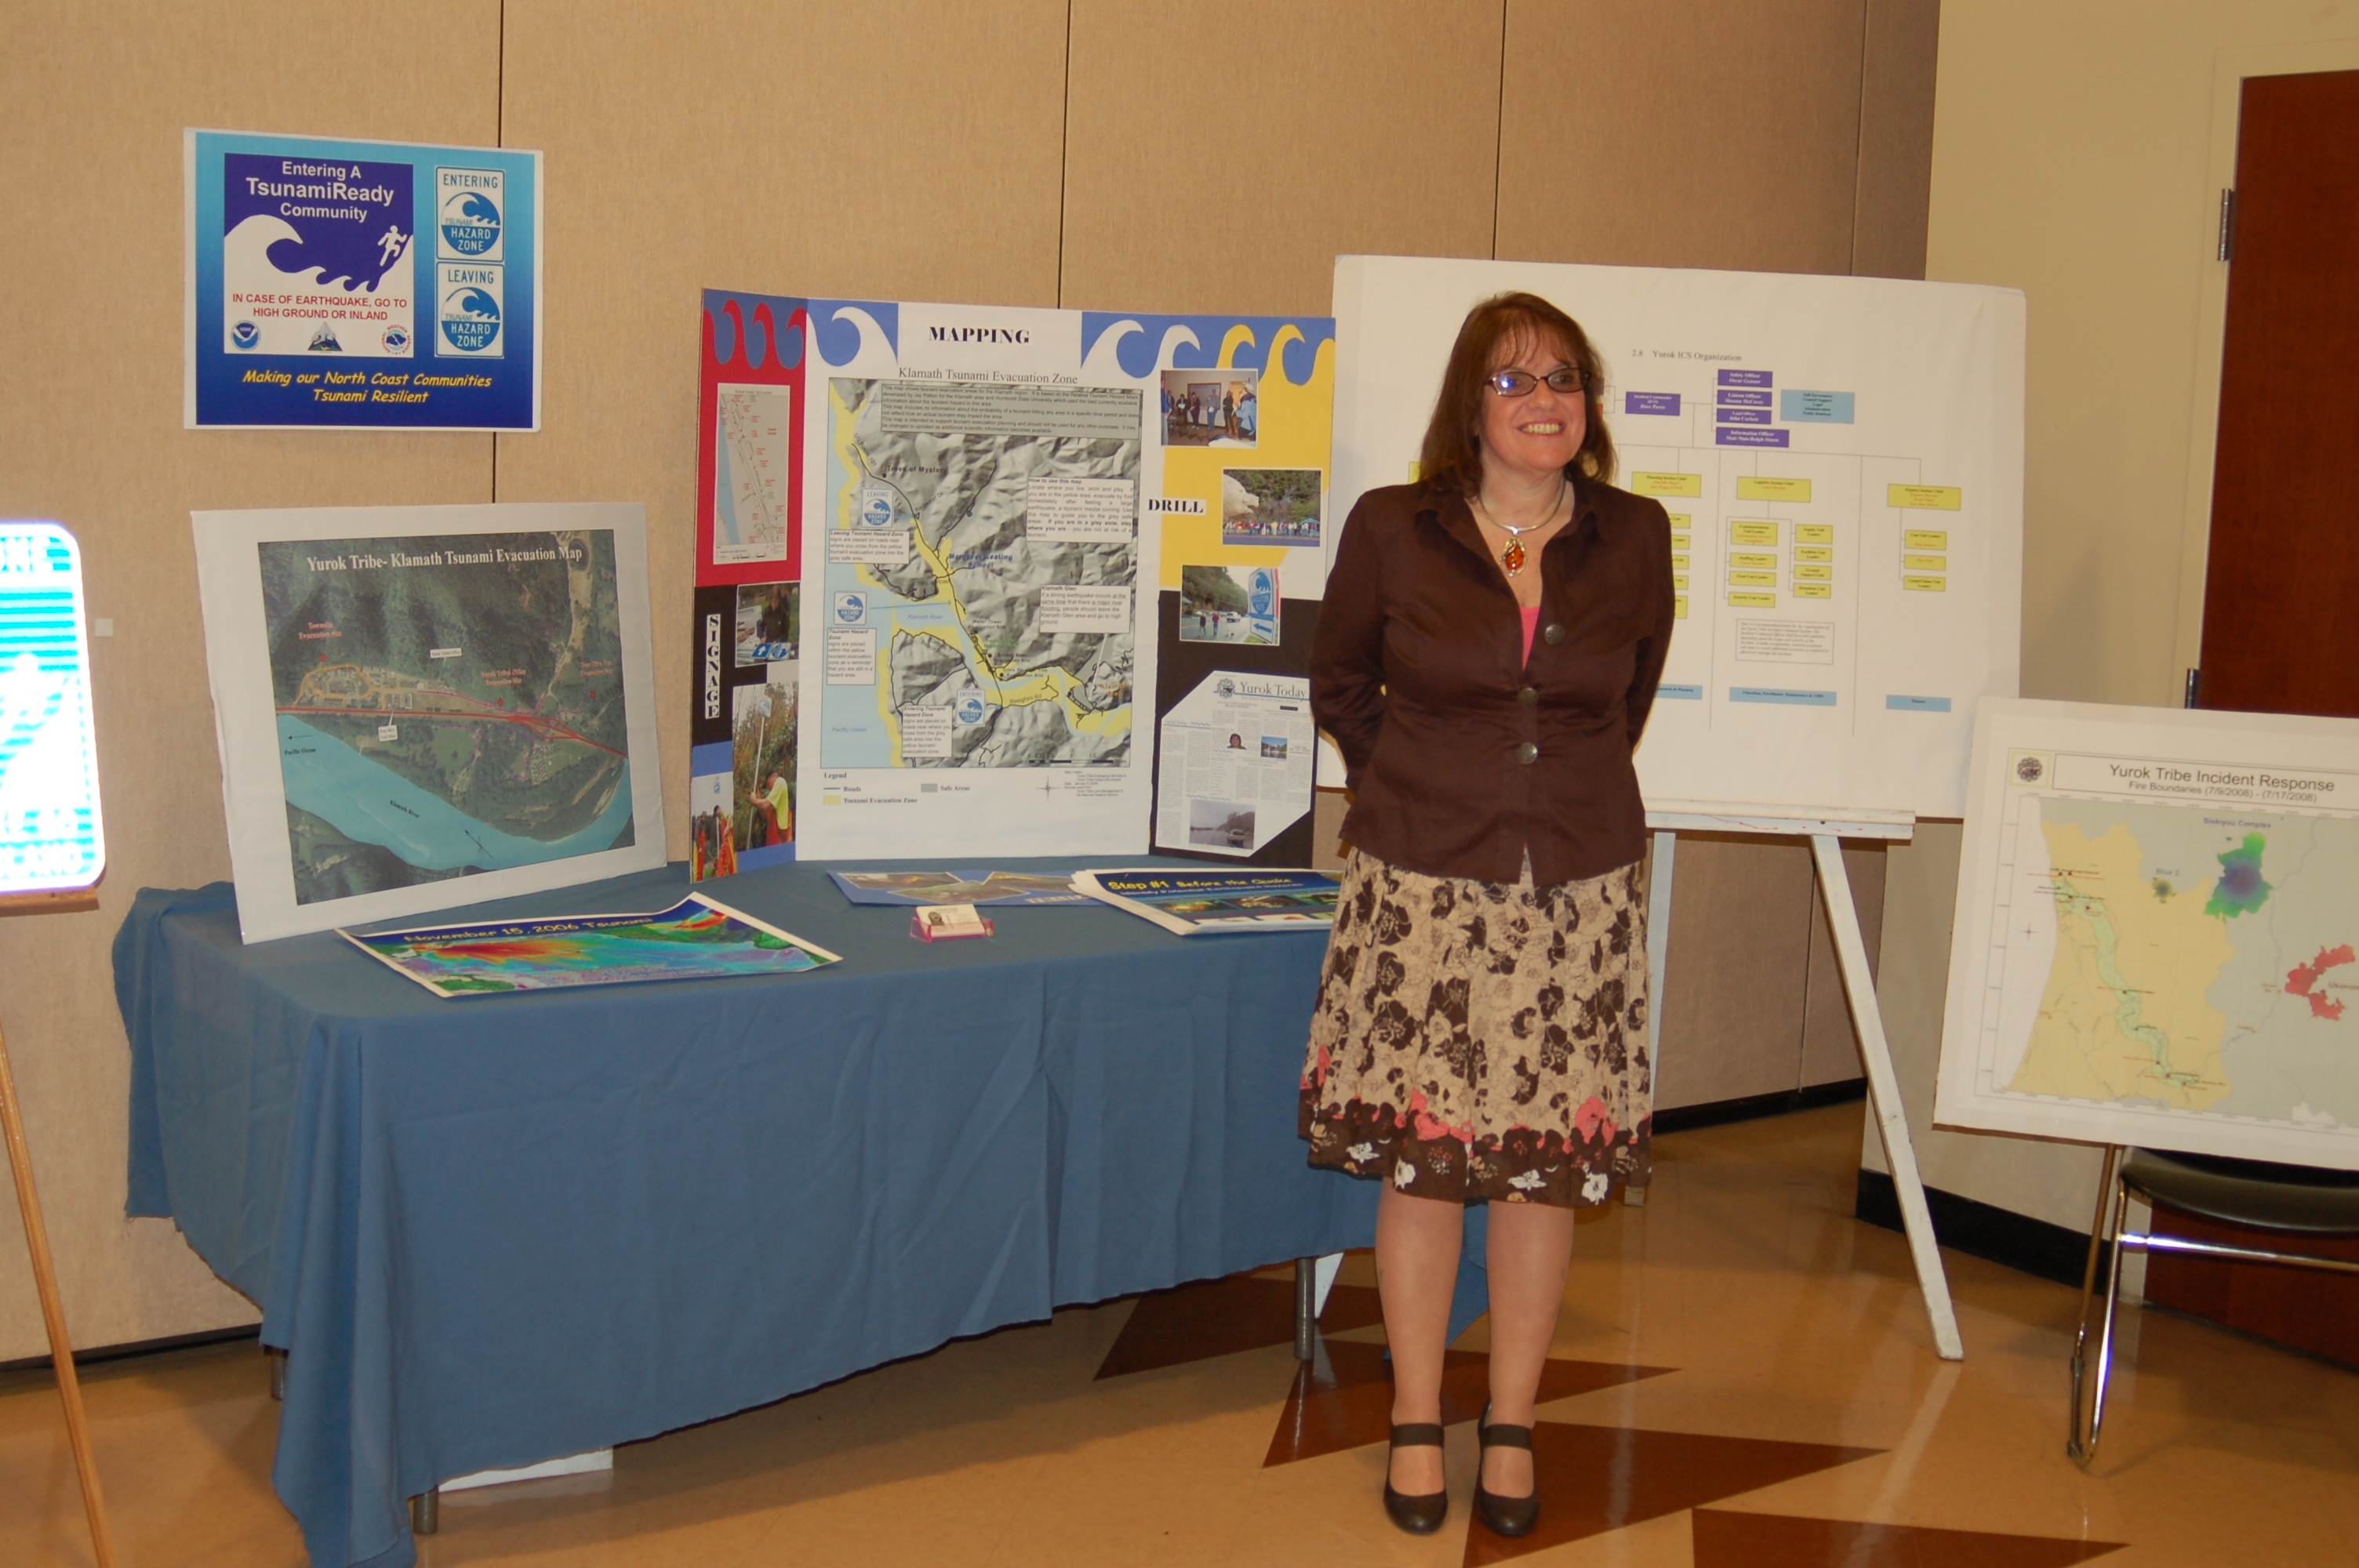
[{"x": 494, "y": 1230}]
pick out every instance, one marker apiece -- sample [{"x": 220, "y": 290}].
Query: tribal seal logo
[{"x": 2030, "y": 770}]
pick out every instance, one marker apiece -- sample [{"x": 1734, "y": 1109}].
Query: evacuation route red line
[{"x": 546, "y": 728}]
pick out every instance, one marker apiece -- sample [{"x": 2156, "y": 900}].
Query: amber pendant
[{"x": 1512, "y": 558}]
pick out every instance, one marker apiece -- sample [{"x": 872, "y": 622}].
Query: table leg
[
  {"x": 278, "y": 1359},
  {"x": 1658, "y": 957},
  {"x": 1306, "y": 1308},
  {"x": 426, "y": 1513}
]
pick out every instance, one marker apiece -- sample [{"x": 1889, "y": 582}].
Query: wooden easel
[{"x": 36, "y": 1242}]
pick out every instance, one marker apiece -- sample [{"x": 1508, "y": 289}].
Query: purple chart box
[
  {"x": 1744, "y": 378},
  {"x": 1744, "y": 417},
  {"x": 1650, "y": 402},
  {"x": 1733, "y": 397},
  {"x": 1744, "y": 436}
]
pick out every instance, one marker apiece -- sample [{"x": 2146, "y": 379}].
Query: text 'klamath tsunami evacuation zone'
[{"x": 361, "y": 285}]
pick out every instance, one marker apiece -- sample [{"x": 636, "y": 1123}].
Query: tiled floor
[{"x": 1744, "y": 1378}]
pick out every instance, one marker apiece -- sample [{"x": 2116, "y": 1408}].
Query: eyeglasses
[{"x": 1519, "y": 382}]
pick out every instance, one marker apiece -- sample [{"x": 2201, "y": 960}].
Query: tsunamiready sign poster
[
  {"x": 1842, "y": 459},
  {"x": 353, "y": 284},
  {"x": 2157, "y": 940},
  {"x": 421, "y": 707}
]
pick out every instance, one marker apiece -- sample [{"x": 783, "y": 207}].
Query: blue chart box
[
  {"x": 1743, "y": 417},
  {"x": 1779, "y": 693},
  {"x": 1744, "y": 378},
  {"x": 1681, "y": 693},
  {"x": 1918, "y": 704},
  {"x": 1799, "y": 408},
  {"x": 1743, "y": 397},
  {"x": 1744, "y": 436},
  {"x": 1650, "y": 402}
]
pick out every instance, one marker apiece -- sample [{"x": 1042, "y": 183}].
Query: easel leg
[
  {"x": 1658, "y": 959},
  {"x": 1884, "y": 1093},
  {"x": 53, "y": 1314}
]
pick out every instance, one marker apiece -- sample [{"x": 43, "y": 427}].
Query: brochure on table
[{"x": 1225, "y": 902}]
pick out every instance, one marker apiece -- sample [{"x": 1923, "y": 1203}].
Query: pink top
[{"x": 1531, "y": 624}]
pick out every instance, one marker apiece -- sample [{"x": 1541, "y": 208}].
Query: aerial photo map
[
  {"x": 447, "y": 704},
  {"x": 982, "y": 557}
]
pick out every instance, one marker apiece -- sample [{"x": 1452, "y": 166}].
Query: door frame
[{"x": 2230, "y": 69}]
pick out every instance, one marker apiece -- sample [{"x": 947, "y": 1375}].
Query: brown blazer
[{"x": 1459, "y": 755}]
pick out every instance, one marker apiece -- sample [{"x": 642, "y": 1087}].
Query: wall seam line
[
  {"x": 500, "y": 139},
  {"x": 1064, "y": 150},
  {"x": 1499, "y": 129},
  {"x": 1859, "y": 132}
]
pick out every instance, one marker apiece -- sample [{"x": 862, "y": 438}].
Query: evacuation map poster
[
  {"x": 361, "y": 285},
  {"x": 423, "y": 706}
]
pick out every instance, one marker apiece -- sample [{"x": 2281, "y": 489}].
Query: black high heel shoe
[
  {"x": 1506, "y": 1516},
  {"x": 1419, "y": 1515}
]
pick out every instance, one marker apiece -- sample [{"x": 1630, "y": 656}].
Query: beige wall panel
[
  {"x": 90, "y": 434},
  {"x": 1830, "y": 1044},
  {"x": 1681, "y": 133},
  {"x": 1896, "y": 137},
  {"x": 771, "y": 148},
  {"x": 1223, "y": 155},
  {"x": 1733, "y": 990}
]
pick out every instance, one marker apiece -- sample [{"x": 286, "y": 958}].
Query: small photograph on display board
[
  {"x": 762, "y": 758},
  {"x": 1211, "y": 407},
  {"x": 1270, "y": 506},
  {"x": 361, "y": 285},
  {"x": 421, "y": 707},
  {"x": 742, "y": 728},
  {"x": 2157, "y": 921},
  {"x": 1229, "y": 604}
]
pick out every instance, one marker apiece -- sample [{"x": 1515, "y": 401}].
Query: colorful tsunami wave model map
[
  {"x": 2165, "y": 950},
  {"x": 695, "y": 940},
  {"x": 447, "y": 705}
]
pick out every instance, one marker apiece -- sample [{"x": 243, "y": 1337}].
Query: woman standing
[{"x": 1487, "y": 652}]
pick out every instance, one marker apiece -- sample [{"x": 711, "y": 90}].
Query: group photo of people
[{"x": 1211, "y": 407}]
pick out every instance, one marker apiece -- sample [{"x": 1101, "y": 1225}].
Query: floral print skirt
[{"x": 1483, "y": 1041}]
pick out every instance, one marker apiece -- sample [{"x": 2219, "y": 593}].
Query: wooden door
[{"x": 2281, "y": 592}]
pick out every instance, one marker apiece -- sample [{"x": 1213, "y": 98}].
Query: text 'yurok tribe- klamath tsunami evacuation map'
[
  {"x": 2175, "y": 958},
  {"x": 446, "y": 705},
  {"x": 981, "y": 558}
]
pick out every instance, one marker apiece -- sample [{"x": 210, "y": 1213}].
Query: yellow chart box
[
  {"x": 1679, "y": 579},
  {"x": 1804, "y": 574},
  {"x": 1924, "y": 563},
  {"x": 1813, "y": 553},
  {"x": 1757, "y": 488},
  {"x": 1679, "y": 562},
  {"x": 1666, "y": 484},
  {"x": 1814, "y": 591},
  {"x": 1924, "y": 497},
  {"x": 1752, "y": 533},
  {"x": 1681, "y": 520},
  {"x": 1753, "y": 579},
  {"x": 1751, "y": 558},
  {"x": 1679, "y": 540},
  {"x": 1679, "y": 607},
  {"x": 1925, "y": 584},
  {"x": 1754, "y": 600},
  {"x": 1926, "y": 538},
  {"x": 1814, "y": 532}
]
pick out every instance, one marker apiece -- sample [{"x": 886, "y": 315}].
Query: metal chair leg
[
  {"x": 2087, "y": 1293},
  {"x": 2105, "y": 1339},
  {"x": 426, "y": 1513}
]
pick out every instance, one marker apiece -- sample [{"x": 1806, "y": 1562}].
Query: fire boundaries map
[
  {"x": 447, "y": 704},
  {"x": 2175, "y": 967},
  {"x": 981, "y": 558}
]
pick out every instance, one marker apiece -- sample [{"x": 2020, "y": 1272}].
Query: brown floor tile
[
  {"x": 1596, "y": 1478},
  {"x": 1221, "y": 1317},
  {"x": 1728, "y": 1539}
]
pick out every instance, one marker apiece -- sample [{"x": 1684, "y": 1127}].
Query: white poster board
[
  {"x": 2157, "y": 931},
  {"x": 423, "y": 706},
  {"x": 1843, "y": 461}
]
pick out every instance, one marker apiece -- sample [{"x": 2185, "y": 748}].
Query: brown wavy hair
[{"x": 1453, "y": 455}]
